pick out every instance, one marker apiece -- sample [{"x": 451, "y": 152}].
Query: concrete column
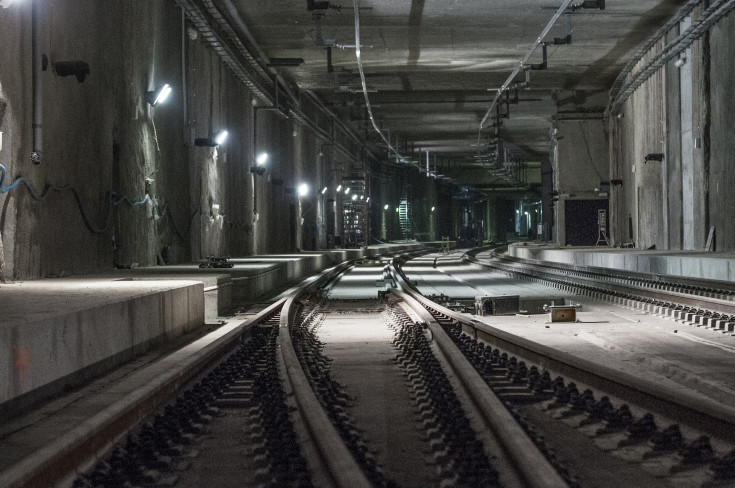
[
  {"x": 581, "y": 163},
  {"x": 673, "y": 172}
]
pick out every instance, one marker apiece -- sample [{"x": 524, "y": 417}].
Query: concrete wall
[
  {"x": 101, "y": 138},
  {"x": 686, "y": 114}
]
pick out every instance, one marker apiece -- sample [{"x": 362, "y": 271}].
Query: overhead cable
[
  {"x": 364, "y": 84},
  {"x": 520, "y": 66}
]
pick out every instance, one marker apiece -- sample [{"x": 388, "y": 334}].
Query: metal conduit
[
  {"x": 518, "y": 68},
  {"x": 199, "y": 21},
  {"x": 255, "y": 65},
  {"x": 364, "y": 83},
  {"x": 231, "y": 60},
  {"x": 709, "y": 17},
  {"x": 673, "y": 22}
]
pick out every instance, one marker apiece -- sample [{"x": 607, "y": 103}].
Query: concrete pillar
[{"x": 580, "y": 164}]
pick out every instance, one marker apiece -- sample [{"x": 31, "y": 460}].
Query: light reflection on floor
[{"x": 359, "y": 283}]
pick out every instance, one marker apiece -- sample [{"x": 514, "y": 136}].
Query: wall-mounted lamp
[
  {"x": 386, "y": 207},
  {"x": 433, "y": 208},
  {"x": 303, "y": 189},
  {"x": 354, "y": 197},
  {"x": 324, "y": 190},
  {"x": 367, "y": 200},
  {"x": 159, "y": 95},
  {"x": 654, "y": 157},
  {"x": 219, "y": 139},
  {"x": 261, "y": 159},
  {"x": 347, "y": 190},
  {"x": 339, "y": 188}
]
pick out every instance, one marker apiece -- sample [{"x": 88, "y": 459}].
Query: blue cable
[
  {"x": 110, "y": 198},
  {"x": 2, "y": 181}
]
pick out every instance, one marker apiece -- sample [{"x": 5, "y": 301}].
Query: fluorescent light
[
  {"x": 159, "y": 95},
  {"x": 261, "y": 159},
  {"x": 339, "y": 188},
  {"x": 209, "y": 142},
  {"x": 432, "y": 209},
  {"x": 221, "y": 137},
  {"x": 367, "y": 200},
  {"x": 386, "y": 207},
  {"x": 303, "y": 189},
  {"x": 347, "y": 190},
  {"x": 324, "y": 190},
  {"x": 354, "y": 197}
]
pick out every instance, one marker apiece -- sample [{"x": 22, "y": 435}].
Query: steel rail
[
  {"x": 86, "y": 442},
  {"x": 716, "y": 419},
  {"x": 593, "y": 284},
  {"x": 335, "y": 455},
  {"x": 531, "y": 465}
]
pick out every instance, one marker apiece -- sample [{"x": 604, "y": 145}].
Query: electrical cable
[
  {"x": 364, "y": 83},
  {"x": 111, "y": 200}
]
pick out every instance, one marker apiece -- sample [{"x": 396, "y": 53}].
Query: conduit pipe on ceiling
[
  {"x": 364, "y": 83},
  {"x": 518, "y": 68},
  {"x": 673, "y": 22},
  {"x": 709, "y": 17},
  {"x": 264, "y": 60},
  {"x": 37, "y": 80},
  {"x": 197, "y": 17}
]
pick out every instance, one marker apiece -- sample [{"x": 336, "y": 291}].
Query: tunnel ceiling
[{"x": 432, "y": 66}]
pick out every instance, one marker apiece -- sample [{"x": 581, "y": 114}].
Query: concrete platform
[
  {"x": 58, "y": 333},
  {"x": 689, "y": 264}
]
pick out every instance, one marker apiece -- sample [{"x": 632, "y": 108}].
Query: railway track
[
  {"x": 278, "y": 410},
  {"x": 668, "y": 436},
  {"x": 399, "y": 391},
  {"x": 700, "y": 303}
]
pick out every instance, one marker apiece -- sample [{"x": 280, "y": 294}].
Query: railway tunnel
[{"x": 175, "y": 177}]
